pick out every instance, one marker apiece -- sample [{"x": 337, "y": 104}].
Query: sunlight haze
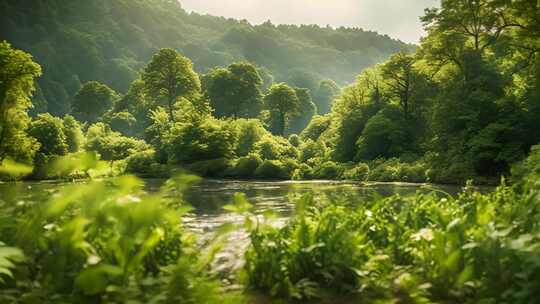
[{"x": 396, "y": 18}]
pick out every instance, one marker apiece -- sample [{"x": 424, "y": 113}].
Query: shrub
[
  {"x": 303, "y": 172},
  {"x": 49, "y": 132},
  {"x": 329, "y": 170},
  {"x": 210, "y": 168},
  {"x": 316, "y": 127},
  {"x": 415, "y": 173},
  {"x": 248, "y": 133},
  {"x": 123, "y": 122},
  {"x": 144, "y": 164},
  {"x": 74, "y": 134},
  {"x": 272, "y": 169},
  {"x": 311, "y": 149},
  {"x": 385, "y": 170},
  {"x": 110, "y": 145},
  {"x": 274, "y": 148},
  {"x": 245, "y": 166},
  {"x": 200, "y": 139},
  {"x": 359, "y": 172}
]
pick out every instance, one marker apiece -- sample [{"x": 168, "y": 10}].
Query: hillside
[{"x": 109, "y": 41}]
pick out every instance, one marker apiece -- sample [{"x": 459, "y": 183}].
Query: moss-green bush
[
  {"x": 359, "y": 172},
  {"x": 275, "y": 148},
  {"x": 211, "y": 168},
  {"x": 272, "y": 169},
  {"x": 311, "y": 149},
  {"x": 245, "y": 166},
  {"x": 144, "y": 164},
  {"x": 303, "y": 172},
  {"x": 329, "y": 170}
]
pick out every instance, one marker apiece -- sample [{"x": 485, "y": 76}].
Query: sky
[{"x": 396, "y": 18}]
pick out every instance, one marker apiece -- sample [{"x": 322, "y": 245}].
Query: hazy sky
[{"x": 397, "y": 18}]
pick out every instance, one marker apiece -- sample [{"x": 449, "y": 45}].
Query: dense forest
[
  {"x": 87, "y": 94},
  {"x": 110, "y": 41}
]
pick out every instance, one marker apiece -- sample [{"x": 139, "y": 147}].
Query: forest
[{"x": 100, "y": 98}]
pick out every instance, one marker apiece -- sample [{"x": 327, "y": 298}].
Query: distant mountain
[{"x": 110, "y": 40}]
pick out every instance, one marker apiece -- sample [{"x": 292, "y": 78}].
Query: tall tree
[
  {"x": 92, "y": 101},
  {"x": 234, "y": 91},
  {"x": 17, "y": 74},
  {"x": 283, "y": 104},
  {"x": 406, "y": 84},
  {"x": 170, "y": 76}
]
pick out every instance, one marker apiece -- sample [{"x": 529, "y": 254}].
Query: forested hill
[{"x": 110, "y": 40}]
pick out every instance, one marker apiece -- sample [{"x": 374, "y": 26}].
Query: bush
[
  {"x": 210, "y": 168},
  {"x": 110, "y": 145},
  {"x": 360, "y": 172},
  {"x": 317, "y": 126},
  {"x": 245, "y": 166},
  {"x": 74, "y": 134},
  {"x": 248, "y": 133},
  {"x": 272, "y": 169},
  {"x": 274, "y": 148},
  {"x": 414, "y": 173},
  {"x": 144, "y": 164},
  {"x": 199, "y": 140},
  {"x": 49, "y": 132},
  {"x": 385, "y": 135},
  {"x": 303, "y": 172},
  {"x": 329, "y": 170},
  {"x": 311, "y": 149},
  {"x": 123, "y": 122}
]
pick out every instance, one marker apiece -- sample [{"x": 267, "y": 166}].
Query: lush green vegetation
[
  {"x": 255, "y": 103},
  {"x": 110, "y": 41},
  {"x": 104, "y": 242},
  {"x": 475, "y": 248}
]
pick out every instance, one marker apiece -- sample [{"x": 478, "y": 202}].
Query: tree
[
  {"x": 385, "y": 135},
  {"x": 283, "y": 104},
  {"x": 235, "y": 91},
  {"x": 123, "y": 122},
  {"x": 479, "y": 22},
  {"x": 199, "y": 140},
  {"x": 74, "y": 134},
  {"x": 306, "y": 111},
  {"x": 324, "y": 96},
  {"x": 17, "y": 74},
  {"x": 170, "y": 76},
  {"x": 302, "y": 78},
  {"x": 406, "y": 85},
  {"x": 49, "y": 132},
  {"x": 110, "y": 145},
  {"x": 92, "y": 101}
]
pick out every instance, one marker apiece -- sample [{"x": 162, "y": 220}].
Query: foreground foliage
[
  {"x": 434, "y": 248},
  {"x": 103, "y": 242}
]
